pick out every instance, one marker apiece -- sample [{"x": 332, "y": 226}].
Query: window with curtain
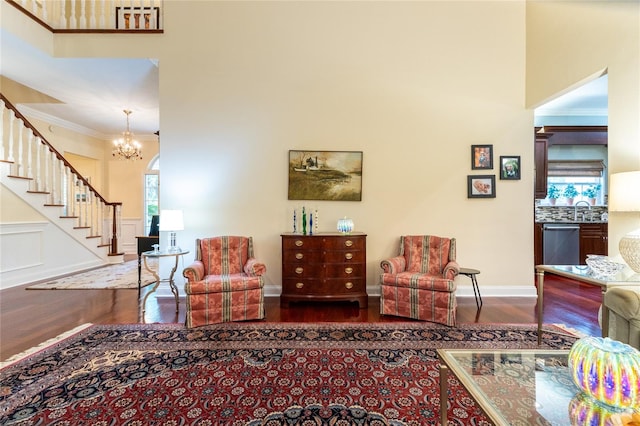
[{"x": 151, "y": 193}]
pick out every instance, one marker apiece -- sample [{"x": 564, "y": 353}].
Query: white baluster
[
  {"x": 62, "y": 196},
  {"x": 63, "y": 18},
  {"x": 30, "y": 155},
  {"x": 83, "y": 14},
  {"x": 45, "y": 15},
  {"x": 45, "y": 176},
  {"x": 12, "y": 119},
  {"x": 73, "y": 23},
  {"x": 86, "y": 205},
  {"x": 74, "y": 191},
  {"x": 20, "y": 160},
  {"x": 92, "y": 15},
  {"x": 54, "y": 190},
  {"x": 68, "y": 184},
  {"x": 102, "y": 20},
  {"x": 90, "y": 202},
  {"x": 152, "y": 19},
  {"x": 39, "y": 148},
  {"x": 100, "y": 224},
  {"x": 2, "y": 129}
]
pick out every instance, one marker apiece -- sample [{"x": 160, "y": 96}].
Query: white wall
[
  {"x": 413, "y": 85},
  {"x": 568, "y": 42}
]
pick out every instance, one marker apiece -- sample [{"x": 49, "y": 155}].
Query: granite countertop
[{"x": 571, "y": 221}]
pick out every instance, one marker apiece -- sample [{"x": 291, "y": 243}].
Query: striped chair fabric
[
  {"x": 419, "y": 282},
  {"x": 225, "y": 282}
]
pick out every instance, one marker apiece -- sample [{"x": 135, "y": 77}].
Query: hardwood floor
[{"x": 30, "y": 317}]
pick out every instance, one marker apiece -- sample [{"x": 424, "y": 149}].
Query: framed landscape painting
[{"x": 325, "y": 175}]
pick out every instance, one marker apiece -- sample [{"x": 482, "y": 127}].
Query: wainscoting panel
[{"x": 21, "y": 245}]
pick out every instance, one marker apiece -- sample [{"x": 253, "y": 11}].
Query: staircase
[{"x": 34, "y": 171}]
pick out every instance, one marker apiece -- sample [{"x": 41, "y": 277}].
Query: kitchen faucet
[{"x": 575, "y": 210}]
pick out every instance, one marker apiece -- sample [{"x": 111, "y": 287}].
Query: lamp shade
[
  {"x": 171, "y": 220},
  {"x": 624, "y": 196},
  {"x": 624, "y": 192}
]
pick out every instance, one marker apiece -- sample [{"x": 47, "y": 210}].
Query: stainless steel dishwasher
[{"x": 561, "y": 244}]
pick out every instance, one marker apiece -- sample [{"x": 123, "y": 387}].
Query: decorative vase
[
  {"x": 569, "y": 201},
  {"x": 552, "y": 201},
  {"x": 606, "y": 370},
  {"x": 345, "y": 225},
  {"x": 583, "y": 410}
]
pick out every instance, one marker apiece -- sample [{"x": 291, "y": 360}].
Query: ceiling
[
  {"x": 88, "y": 94},
  {"x": 589, "y": 99},
  {"x": 91, "y": 94}
]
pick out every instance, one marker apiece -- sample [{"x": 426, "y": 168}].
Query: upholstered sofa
[
  {"x": 225, "y": 282},
  {"x": 624, "y": 315}
]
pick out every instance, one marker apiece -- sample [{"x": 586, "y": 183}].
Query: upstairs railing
[
  {"x": 94, "y": 15},
  {"x": 32, "y": 157}
]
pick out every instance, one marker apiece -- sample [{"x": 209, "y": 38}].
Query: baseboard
[{"x": 462, "y": 291}]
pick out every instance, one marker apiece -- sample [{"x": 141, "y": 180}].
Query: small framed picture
[
  {"x": 510, "y": 167},
  {"x": 481, "y": 186},
  {"x": 481, "y": 157}
]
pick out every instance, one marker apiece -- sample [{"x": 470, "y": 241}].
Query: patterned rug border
[{"x": 334, "y": 327}]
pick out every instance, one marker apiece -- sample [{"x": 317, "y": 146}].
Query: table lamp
[
  {"x": 624, "y": 196},
  {"x": 171, "y": 221}
]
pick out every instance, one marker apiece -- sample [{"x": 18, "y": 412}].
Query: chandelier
[{"x": 126, "y": 148}]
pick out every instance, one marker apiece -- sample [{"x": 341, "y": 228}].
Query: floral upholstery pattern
[
  {"x": 419, "y": 283},
  {"x": 225, "y": 282}
]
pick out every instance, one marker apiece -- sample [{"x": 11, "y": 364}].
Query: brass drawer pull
[
  {"x": 299, "y": 285},
  {"x": 349, "y": 285},
  {"x": 299, "y": 270},
  {"x": 348, "y": 256},
  {"x": 299, "y": 256},
  {"x": 348, "y": 270},
  {"x": 348, "y": 243},
  {"x": 299, "y": 243}
]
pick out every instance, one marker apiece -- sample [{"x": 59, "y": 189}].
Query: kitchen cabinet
[
  {"x": 324, "y": 267},
  {"x": 593, "y": 240},
  {"x": 537, "y": 244},
  {"x": 540, "y": 163}
]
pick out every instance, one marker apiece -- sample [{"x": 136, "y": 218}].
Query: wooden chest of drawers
[{"x": 324, "y": 267}]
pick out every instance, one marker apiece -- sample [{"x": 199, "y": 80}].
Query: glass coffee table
[
  {"x": 584, "y": 274},
  {"x": 517, "y": 387}
]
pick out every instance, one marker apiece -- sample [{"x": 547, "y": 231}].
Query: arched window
[{"x": 151, "y": 192}]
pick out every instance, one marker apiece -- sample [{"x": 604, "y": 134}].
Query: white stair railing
[
  {"x": 50, "y": 173},
  {"x": 129, "y": 15}
]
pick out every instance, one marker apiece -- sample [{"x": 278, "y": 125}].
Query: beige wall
[
  {"x": 568, "y": 42},
  {"x": 413, "y": 85},
  {"x": 14, "y": 210}
]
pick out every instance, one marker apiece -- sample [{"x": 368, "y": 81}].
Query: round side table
[
  {"x": 157, "y": 255},
  {"x": 471, "y": 273}
]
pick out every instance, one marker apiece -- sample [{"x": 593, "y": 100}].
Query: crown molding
[
  {"x": 30, "y": 112},
  {"x": 56, "y": 121}
]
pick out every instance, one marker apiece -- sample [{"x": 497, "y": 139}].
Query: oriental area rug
[
  {"x": 118, "y": 276},
  {"x": 250, "y": 374}
]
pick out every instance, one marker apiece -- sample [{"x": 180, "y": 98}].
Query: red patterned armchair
[
  {"x": 419, "y": 283},
  {"x": 224, "y": 283}
]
